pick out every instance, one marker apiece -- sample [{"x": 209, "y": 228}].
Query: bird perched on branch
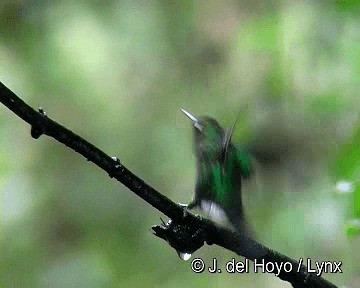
[{"x": 221, "y": 168}]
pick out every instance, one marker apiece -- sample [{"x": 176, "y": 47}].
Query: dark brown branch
[{"x": 185, "y": 232}]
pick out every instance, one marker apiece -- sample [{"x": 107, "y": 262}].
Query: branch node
[
  {"x": 38, "y": 128},
  {"x": 42, "y": 111},
  {"x": 117, "y": 168}
]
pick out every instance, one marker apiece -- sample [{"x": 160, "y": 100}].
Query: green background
[{"x": 117, "y": 73}]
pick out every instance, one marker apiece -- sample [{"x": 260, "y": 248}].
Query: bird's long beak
[
  {"x": 196, "y": 122},
  {"x": 190, "y": 116}
]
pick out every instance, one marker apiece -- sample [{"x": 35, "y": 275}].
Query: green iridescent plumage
[{"x": 221, "y": 167}]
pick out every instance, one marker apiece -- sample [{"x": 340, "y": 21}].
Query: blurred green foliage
[{"x": 117, "y": 73}]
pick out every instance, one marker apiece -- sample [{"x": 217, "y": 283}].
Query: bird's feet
[{"x": 187, "y": 207}]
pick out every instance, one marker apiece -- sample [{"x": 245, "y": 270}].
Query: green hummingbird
[{"x": 221, "y": 168}]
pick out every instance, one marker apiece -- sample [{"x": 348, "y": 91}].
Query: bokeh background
[{"x": 117, "y": 73}]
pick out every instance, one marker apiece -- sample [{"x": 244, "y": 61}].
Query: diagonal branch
[{"x": 185, "y": 231}]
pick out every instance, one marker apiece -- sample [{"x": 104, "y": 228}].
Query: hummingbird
[{"x": 221, "y": 168}]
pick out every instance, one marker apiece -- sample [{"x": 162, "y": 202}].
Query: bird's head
[{"x": 208, "y": 135}]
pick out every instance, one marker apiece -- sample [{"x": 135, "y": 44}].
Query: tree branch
[{"x": 185, "y": 231}]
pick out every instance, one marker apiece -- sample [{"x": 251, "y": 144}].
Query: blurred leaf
[
  {"x": 348, "y": 5},
  {"x": 261, "y": 34},
  {"x": 328, "y": 104},
  {"x": 351, "y": 49},
  {"x": 348, "y": 159},
  {"x": 352, "y": 227},
  {"x": 357, "y": 201}
]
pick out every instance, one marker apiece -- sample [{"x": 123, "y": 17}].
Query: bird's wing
[{"x": 226, "y": 143}]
